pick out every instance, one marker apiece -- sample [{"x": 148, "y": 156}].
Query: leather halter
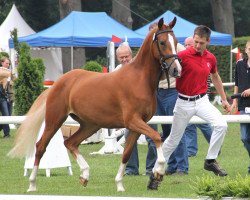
[
  {"x": 164, "y": 65},
  {"x": 163, "y": 58}
]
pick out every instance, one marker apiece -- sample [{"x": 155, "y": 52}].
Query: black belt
[{"x": 192, "y": 98}]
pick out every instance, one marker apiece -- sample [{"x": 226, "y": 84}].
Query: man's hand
[
  {"x": 234, "y": 106},
  {"x": 245, "y": 93},
  {"x": 226, "y": 106}
]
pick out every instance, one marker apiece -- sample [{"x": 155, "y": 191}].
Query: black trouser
[{"x": 5, "y": 112}]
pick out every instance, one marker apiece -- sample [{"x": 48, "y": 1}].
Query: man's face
[
  {"x": 124, "y": 56},
  {"x": 247, "y": 49},
  {"x": 200, "y": 43},
  {"x": 189, "y": 42}
]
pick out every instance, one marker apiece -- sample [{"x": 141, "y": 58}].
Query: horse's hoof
[
  {"x": 83, "y": 181},
  {"x": 120, "y": 187},
  {"x": 32, "y": 189},
  {"x": 154, "y": 181},
  {"x": 158, "y": 176}
]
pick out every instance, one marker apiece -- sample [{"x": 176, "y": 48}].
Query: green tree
[
  {"x": 241, "y": 17},
  {"x": 5, "y": 6},
  {"x": 13, "y": 35},
  {"x": 42, "y": 14},
  {"x": 29, "y": 84},
  {"x": 4, "y": 54},
  {"x": 38, "y": 14},
  {"x": 92, "y": 66}
]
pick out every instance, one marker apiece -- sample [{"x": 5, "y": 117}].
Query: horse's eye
[{"x": 162, "y": 43}]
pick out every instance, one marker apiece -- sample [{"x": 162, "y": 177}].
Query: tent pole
[
  {"x": 72, "y": 57},
  {"x": 111, "y": 55},
  {"x": 231, "y": 65}
]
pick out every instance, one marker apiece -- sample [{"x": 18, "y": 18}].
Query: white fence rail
[{"x": 154, "y": 120}]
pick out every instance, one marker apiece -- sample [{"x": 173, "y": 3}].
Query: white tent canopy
[
  {"x": 13, "y": 20},
  {"x": 52, "y": 58}
]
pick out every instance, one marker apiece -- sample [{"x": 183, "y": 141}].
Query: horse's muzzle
[{"x": 174, "y": 72}]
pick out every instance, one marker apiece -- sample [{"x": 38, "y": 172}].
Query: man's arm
[
  {"x": 219, "y": 88},
  {"x": 234, "y": 105}
]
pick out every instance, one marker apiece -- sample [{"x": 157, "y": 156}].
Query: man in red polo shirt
[{"x": 197, "y": 64}]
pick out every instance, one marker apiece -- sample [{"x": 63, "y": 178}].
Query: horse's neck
[{"x": 148, "y": 65}]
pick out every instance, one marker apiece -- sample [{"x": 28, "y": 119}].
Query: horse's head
[{"x": 166, "y": 44}]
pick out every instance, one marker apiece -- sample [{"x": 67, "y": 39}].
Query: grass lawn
[{"x": 103, "y": 169}]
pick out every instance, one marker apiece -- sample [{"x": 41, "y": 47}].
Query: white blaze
[{"x": 177, "y": 63}]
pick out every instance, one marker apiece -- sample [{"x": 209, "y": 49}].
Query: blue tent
[
  {"x": 82, "y": 29},
  {"x": 184, "y": 29}
]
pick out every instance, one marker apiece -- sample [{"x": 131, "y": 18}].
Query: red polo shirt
[{"x": 195, "y": 71}]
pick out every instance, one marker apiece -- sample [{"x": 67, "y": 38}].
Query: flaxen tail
[{"x": 27, "y": 133}]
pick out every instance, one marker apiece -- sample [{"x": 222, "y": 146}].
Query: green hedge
[
  {"x": 92, "y": 66},
  {"x": 216, "y": 187},
  {"x": 223, "y": 53}
]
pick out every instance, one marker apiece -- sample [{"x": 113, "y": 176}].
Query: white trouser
[{"x": 184, "y": 110}]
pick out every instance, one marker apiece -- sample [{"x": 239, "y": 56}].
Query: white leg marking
[
  {"x": 160, "y": 161},
  {"x": 83, "y": 166},
  {"x": 32, "y": 179},
  {"x": 119, "y": 177}
]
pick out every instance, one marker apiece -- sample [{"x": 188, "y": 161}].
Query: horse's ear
[
  {"x": 160, "y": 23},
  {"x": 172, "y": 23}
]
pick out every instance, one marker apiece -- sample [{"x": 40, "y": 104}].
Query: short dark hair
[{"x": 202, "y": 31}]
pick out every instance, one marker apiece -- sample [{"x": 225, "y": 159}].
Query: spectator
[
  {"x": 5, "y": 106},
  {"x": 242, "y": 85},
  {"x": 123, "y": 54}
]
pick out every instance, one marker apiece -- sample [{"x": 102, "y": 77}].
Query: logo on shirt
[{"x": 209, "y": 65}]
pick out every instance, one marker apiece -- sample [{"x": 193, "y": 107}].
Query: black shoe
[
  {"x": 180, "y": 173},
  {"x": 148, "y": 173},
  {"x": 130, "y": 174},
  {"x": 214, "y": 167},
  {"x": 169, "y": 173},
  {"x": 6, "y": 136},
  {"x": 154, "y": 182},
  {"x": 192, "y": 155}
]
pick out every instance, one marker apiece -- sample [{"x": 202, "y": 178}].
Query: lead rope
[{"x": 167, "y": 77}]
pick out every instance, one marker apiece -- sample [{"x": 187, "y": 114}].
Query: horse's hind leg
[
  {"x": 40, "y": 150},
  {"x": 130, "y": 142},
  {"x": 52, "y": 124},
  {"x": 72, "y": 144}
]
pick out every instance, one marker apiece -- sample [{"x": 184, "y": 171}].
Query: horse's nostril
[{"x": 175, "y": 73}]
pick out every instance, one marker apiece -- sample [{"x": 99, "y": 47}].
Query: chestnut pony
[{"x": 123, "y": 98}]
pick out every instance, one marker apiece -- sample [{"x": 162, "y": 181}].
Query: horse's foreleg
[
  {"x": 141, "y": 127},
  {"x": 119, "y": 178},
  {"x": 160, "y": 161},
  {"x": 130, "y": 142}
]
